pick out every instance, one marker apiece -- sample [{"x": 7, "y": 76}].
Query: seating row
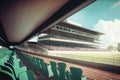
[
  {"x": 12, "y": 68},
  {"x": 56, "y": 70}
]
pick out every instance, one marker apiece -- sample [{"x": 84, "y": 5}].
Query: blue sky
[
  {"x": 100, "y": 9},
  {"x": 102, "y": 16}
]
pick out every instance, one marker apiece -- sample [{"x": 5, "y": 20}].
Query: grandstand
[{"x": 67, "y": 35}]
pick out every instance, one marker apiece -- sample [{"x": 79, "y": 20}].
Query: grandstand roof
[
  {"x": 22, "y": 19},
  {"x": 79, "y": 27}
]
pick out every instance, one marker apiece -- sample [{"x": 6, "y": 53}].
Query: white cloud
[
  {"x": 111, "y": 30},
  {"x": 117, "y": 4}
]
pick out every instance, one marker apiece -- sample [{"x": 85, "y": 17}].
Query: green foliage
[
  {"x": 118, "y": 46},
  {"x": 110, "y": 48}
]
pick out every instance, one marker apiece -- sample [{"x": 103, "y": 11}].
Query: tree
[
  {"x": 110, "y": 48},
  {"x": 118, "y": 46}
]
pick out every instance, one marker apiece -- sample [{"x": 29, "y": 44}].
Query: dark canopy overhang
[{"x": 22, "y": 19}]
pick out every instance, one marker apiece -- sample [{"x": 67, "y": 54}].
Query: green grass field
[{"x": 112, "y": 58}]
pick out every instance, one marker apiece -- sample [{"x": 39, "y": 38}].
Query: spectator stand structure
[{"x": 67, "y": 36}]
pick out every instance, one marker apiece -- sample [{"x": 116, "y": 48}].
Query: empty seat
[
  {"x": 19, "y": 70},
  {"x": 44, "y": 67},
  {"x": 38, "y": 64},
  {"x": 76, "y": 74},
  {"x": 4, "y": 75},
  {"x": 62, "y": 71},
  {"x": 27, "y": 75},
  {"x": 6, "y": 68},
  {"x": 54, "y": 70},
  {"x": 16, "y": 67},
  {"x": 11, "y": 67}
]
